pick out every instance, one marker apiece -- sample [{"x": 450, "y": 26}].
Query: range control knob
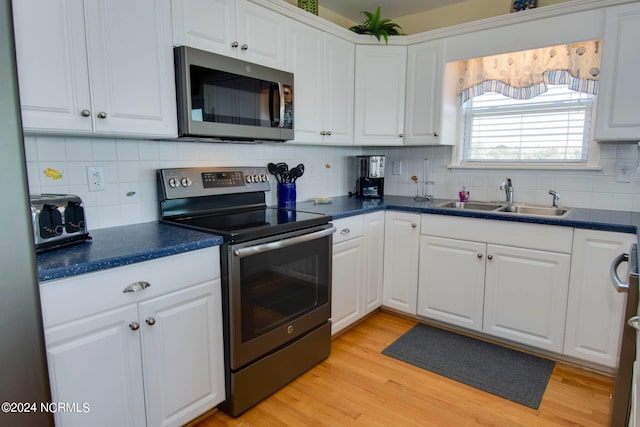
[
  {"x": 173, "y": 183},
  {"x": 256, "y": 178},
  {"x": 186, "y": 182},
  {"x": 264, "y": 177},
  {"x": 249, "y": 179}
]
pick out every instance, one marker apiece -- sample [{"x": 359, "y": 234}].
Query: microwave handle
[{"x": 281, "y": 93}]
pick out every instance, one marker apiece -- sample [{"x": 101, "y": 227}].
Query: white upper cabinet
[
  {"x": 323, "y": 67},
  {"x": 235, "y": 28},
  {"x": 618, "y": 116},
  {"x": 95, "y": 66},
  {"x": 380, "y": 94},
  {"x": 425, "y": 69}
]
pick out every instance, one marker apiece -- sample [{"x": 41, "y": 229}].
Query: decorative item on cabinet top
[
  {"x": 377, "y": 27},
  {"x": 310, "y": 6},
  {"x": 519, "y": 5}
]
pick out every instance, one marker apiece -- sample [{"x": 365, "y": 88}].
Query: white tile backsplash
[{"x": 130, "y": 166}]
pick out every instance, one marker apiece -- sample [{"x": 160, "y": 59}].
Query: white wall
[
  {"x": 585, "y": 189},
  {"x": 130, "y": 167}
]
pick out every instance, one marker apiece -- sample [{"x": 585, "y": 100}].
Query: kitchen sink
[
  {"x": 534, "y": 210},
  {"x": 503, "y": 207},
  {"x": 478, "y": 206}
]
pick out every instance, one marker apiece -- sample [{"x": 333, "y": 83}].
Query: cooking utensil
[
  {"x": 273, "y": 170},
  {"x": 283, "y": 171},
  {"x": 296, "y": 173}
]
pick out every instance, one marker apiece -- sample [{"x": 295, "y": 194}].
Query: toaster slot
[
  {"x": 50, "y": 222},
  {"x": 74, "y": 217}
]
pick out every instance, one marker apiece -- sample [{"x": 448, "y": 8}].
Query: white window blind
[{"x": 553, "y": 127}]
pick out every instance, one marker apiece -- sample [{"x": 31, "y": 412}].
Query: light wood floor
[{"x": 357, "y": 385}]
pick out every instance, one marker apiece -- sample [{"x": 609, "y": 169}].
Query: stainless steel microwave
[{"x": 223, "y": 98}]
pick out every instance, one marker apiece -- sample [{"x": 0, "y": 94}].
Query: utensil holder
[{"x": 287, "y": 195}]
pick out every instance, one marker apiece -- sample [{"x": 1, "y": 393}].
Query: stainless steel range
[{"x": 276, "y": 275}]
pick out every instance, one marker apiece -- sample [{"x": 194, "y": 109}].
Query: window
[{"x": 553, "y": 127}]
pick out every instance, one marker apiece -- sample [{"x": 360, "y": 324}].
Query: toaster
[{"x": 58, "y": 220}]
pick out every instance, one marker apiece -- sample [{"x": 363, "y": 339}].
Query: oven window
[{"x": 283, "y": 284}]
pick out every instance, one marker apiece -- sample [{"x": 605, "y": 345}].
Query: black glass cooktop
[{"x": 252, "y": 224}]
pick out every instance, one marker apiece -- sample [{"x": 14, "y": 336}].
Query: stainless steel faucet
[
  {"x": 508, "y": 189},
  {"x": 556, "y": 197}
]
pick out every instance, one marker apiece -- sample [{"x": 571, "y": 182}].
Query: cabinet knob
[
  {"x": 479, "y": 255},
  {"x": 345, "y": 231},
  {"x": 85, "y": 113},
  {"x": 151, "y": 321},
  {"x": 401, "y": 135},
  {"x": 234, "y": 44},
  {"x": 436, "y": 133},
  {"x": 324, "y": 132},
  {"x": 328, "y": 132},
  {"x": 414, "y": 225},
  {"x": 136, "y": 287},
  {"x": 489, "y": 256},
  {"x": 102, "y": 115},
  {"x": 244, "y": 47},
  {"x": 134, "y": 326}
]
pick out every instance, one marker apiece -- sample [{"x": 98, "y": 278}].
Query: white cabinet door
[
  {"x": 237, "y": 28},
  {"x": 380, "y": 94},
  {"x": 182, "y": 353},
  {"x": 595, "y": 311},
  {"x": 347, "y": 284},
  {"x": 131, "y": 67},
  {"x": 451, "y": 281},
  {"x": 96, "y": 66},
  {"x": 96, "y": 360},
  {"x": 526, "y": 296},
  {"x": 52, "y": 65},
  {"x": 401, "y": 252},
  {"x": 205, "y": 24},
  {"x": 373, "y": 260},
  {"x": 425, "y": 69},
  {"x": 324, "y": 69},
  {"x": 617, "y": 116},
  {"x": 338, "y": 90}
]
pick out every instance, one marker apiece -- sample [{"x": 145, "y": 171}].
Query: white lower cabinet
[
  {"x": 525, "y": 296},
  {"x": 451, "y": 281},
  {"x": 151, "y": 357},
  {"x": 357, "y": 269},
  {"x": 595, "y": 311},
  {"x": 505, "y": 279},
  {"x": 401, "y": 253}
]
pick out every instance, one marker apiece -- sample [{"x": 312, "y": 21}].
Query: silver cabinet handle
[
  {"x": 151, "y": 321},
  {"x": 85, "y": 113},
  {"x": 618, "y": 284},
  {"x": 401, "y": 135},
  {"x": 244, "y": 46},
  {"x": 234, "y": 44},
  {"x": 436, "y": 133},
  {"x": 634, "y": 322},
  {"x": 329, "y": 132},
  {"x": 489, "y": 256},
  {"x": 345, "y": 231},
  {"x": 136, "y": 287},
  {"x": 479, "y": 255},
  {"x": 324, "y": 132},
  {"x": 134, "y": 326},
  {"x": 414, "y": 225},
  {"x": 102, "y": 115}
]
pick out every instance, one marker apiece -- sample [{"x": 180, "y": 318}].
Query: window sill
[{"x": 524, "y": 166}]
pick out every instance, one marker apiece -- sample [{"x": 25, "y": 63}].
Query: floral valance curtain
[{"x": 525, "y": 74}]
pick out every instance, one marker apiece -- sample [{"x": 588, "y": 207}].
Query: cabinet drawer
[
  {"x": 534, "y": 236},
  {"x": 348, "y": 228},
  {"x": 84, "y": 295}
]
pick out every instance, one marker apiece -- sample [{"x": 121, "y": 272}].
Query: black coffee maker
[{"x": 370, "y": 176}]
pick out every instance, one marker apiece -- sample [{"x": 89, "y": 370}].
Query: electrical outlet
[{"x": 95, "y": 178}]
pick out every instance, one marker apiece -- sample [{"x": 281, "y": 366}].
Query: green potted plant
[{"x": 377, "y": 27}]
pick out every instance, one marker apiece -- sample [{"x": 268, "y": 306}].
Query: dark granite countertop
[
  {"x": 118, "y": 246},
  {"x": 596, "y": 219}
]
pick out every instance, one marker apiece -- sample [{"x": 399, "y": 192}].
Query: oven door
[{"x": 279, "y": 289}]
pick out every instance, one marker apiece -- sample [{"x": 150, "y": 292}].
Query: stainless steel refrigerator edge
[{"x": 23, "y": 367}]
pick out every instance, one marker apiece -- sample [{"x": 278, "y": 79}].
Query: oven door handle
[{"x": 266, "y": 247}]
